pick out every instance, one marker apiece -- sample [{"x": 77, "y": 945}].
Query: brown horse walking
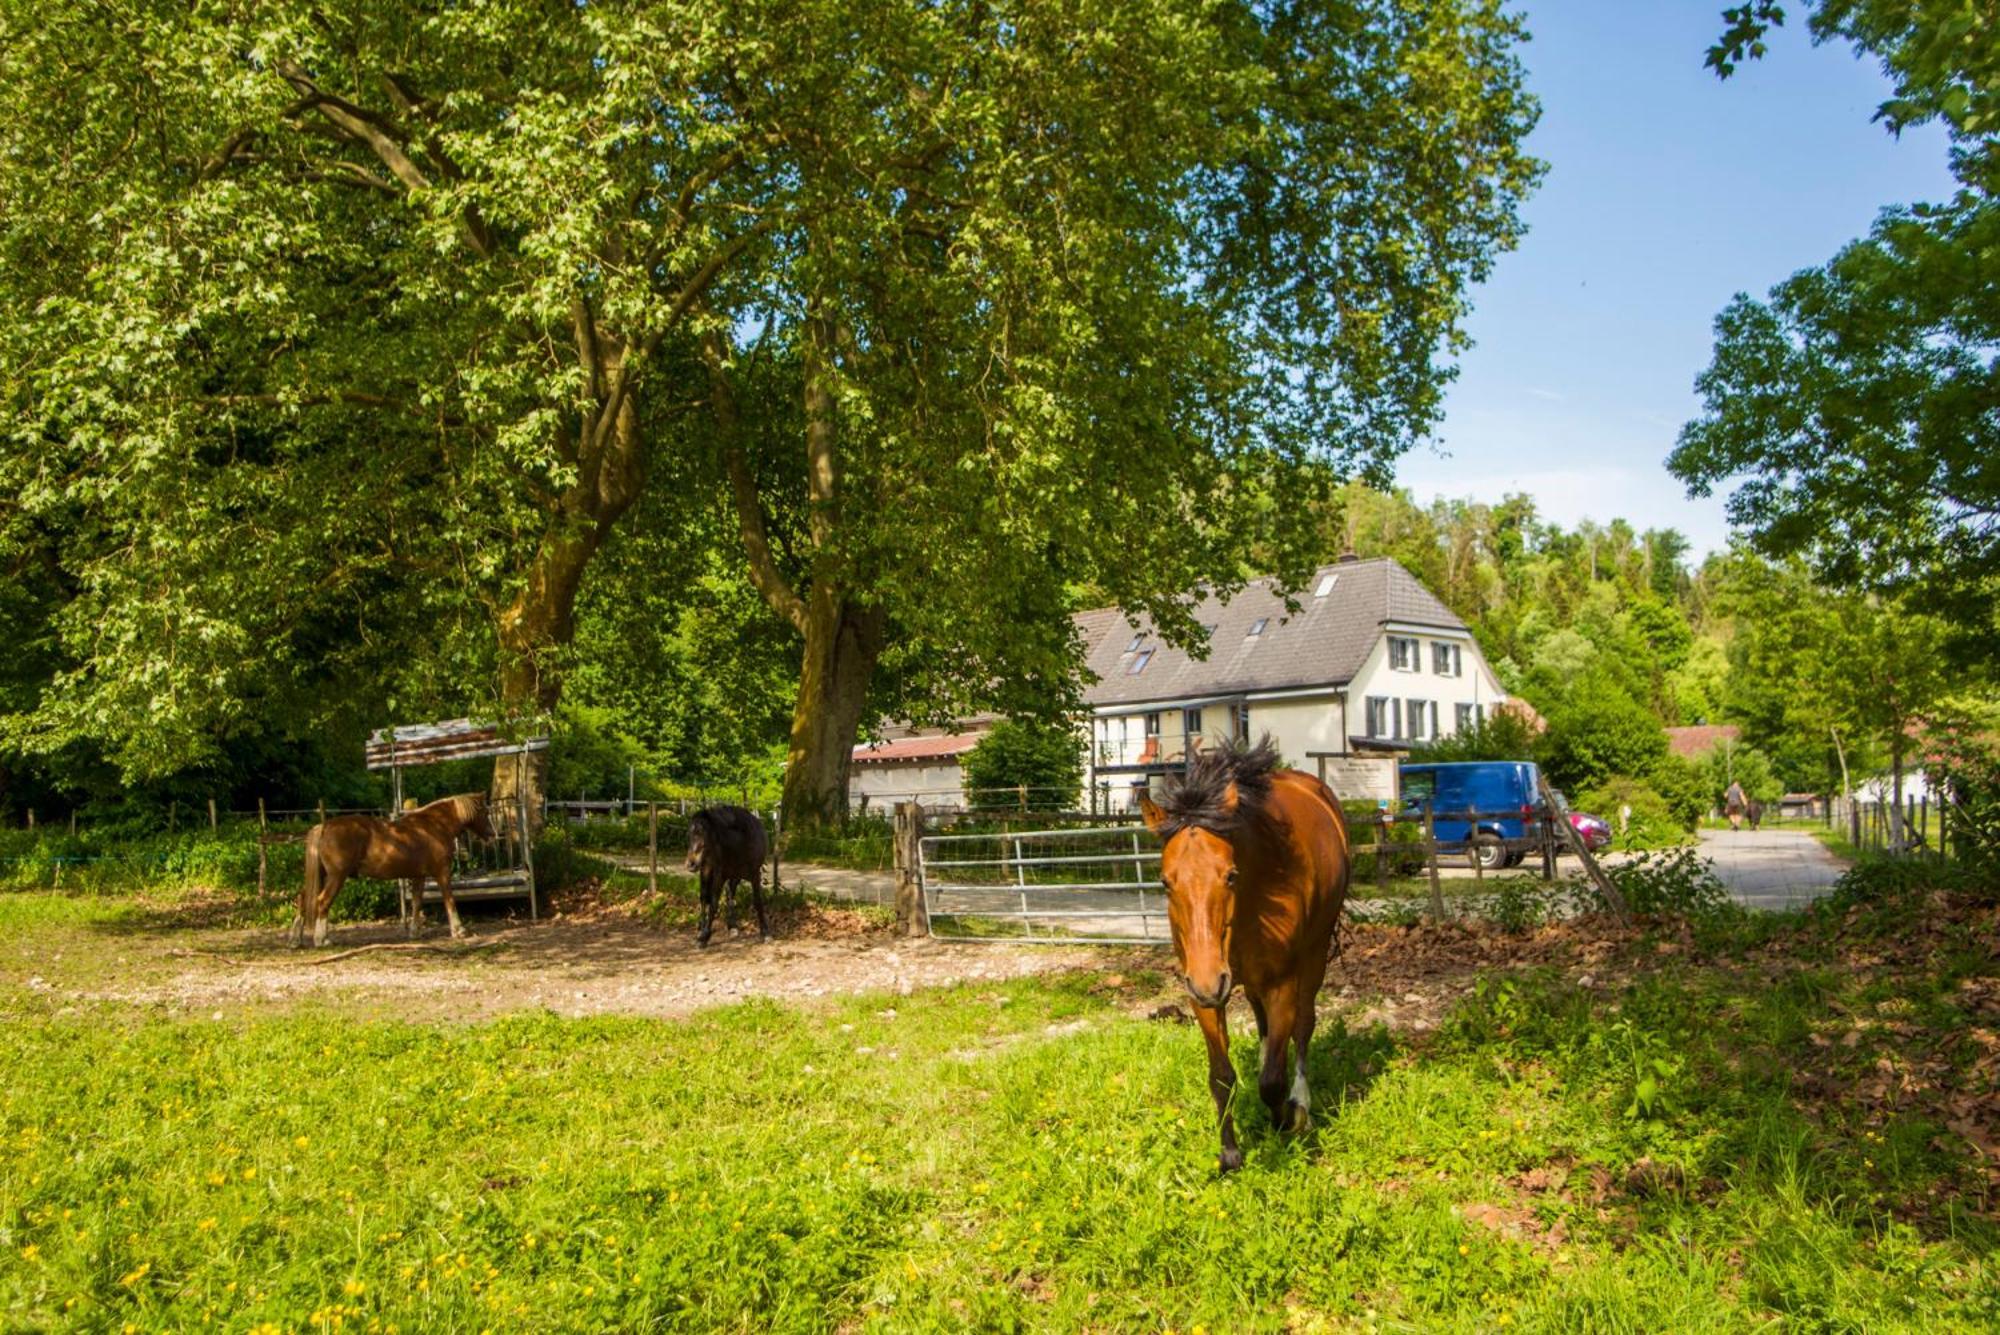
[
  {"x": 416, "y": 845},
  {"x": 1256, "y": 866}
]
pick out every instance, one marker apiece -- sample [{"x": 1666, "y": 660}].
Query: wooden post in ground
[
  {"x": 652, "y": 848},
  {"x": 262, "y": 850},
  {"x": 777, "y": 841},
  {"x": 322, "y": 811},
  {"x": 1605, "y": 885},
  {"x": 1431, "y": 861},
  {"x": 912, "y": 915},
  {"x": 1382, "y": 827},
  {"x": 31, "y": 818},
  {"x": 72, "y": 820},
  {"x": 211, "y": 816}
]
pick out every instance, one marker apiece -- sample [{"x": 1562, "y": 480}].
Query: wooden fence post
[
  {"x": 777, "y": 842},
  {"x": 1382, "y": 827},
  {"x": 652, "y": 848},
  {"x": 912, "y": 917},
  {"x": 211, "y": 816},
  {"x": 262, "y": 851},
  {"x": 72, "y": 820},
  {"x": 322, "y": 811},
  {"x": 1431, "y": 861}
]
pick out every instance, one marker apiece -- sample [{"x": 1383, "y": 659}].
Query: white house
[{"x": 1371, "y": 663}]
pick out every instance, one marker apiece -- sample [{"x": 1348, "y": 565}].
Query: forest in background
[{"x": 685, "y": 681}]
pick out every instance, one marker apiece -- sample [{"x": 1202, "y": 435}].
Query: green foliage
[
  {"x": 1680, "y": 784},
  {"x": 1846, "y": 397},
  {"x": 1676, "y": 883},
  {"x": 1045, "y": 759},
  {"x": 1502, "y": 735},
  {"x": 1599, "y": 731},
  {"x": 1653, "y": 822}
]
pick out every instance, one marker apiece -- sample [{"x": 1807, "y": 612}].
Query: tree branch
[{"x": 764, "y": 572}]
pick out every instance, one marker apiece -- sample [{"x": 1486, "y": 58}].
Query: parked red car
[{"x": 1595, "y": 833}]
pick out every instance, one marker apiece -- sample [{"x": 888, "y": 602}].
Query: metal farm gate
[{"x": 1081, "y": 884}]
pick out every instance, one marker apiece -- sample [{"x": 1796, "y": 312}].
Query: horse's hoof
[
  {"x": 1231, "y": 1160},
  {"x": 701, "y": 943},
  {"x": 1298, "y": 1118}
]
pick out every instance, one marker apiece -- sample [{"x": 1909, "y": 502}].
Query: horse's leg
[
  {"x": 332, "y": 880},
  {"x": 710, "y": 892},
  {"x": 413, "y": 915},
  {"x": 757, "y": 898},
  {"x": 450, "y": 905},
  {"x": 1280, "y": 1004},
  {"x": 729, "y": 904},
  {"x": 1298, "y": 1107},
  {"x": 1221, "y": 1080},
  {"x": 1257, "y": 1009}
]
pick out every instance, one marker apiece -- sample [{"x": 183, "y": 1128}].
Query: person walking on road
[{"x": 1733, "y": 802}]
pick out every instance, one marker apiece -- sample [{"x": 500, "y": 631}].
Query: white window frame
[
  {"x": 1416, "y": 712},
  {"x": 1375, "y": 712},
  {"x": 1447, "y": 659}
]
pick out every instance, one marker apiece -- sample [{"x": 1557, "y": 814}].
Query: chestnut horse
[
  {"x": 417, "y": 844},
  {"x": 1256, "y": 867}
]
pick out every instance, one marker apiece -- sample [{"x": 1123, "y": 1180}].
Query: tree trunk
[
  {"x": 842, "y": 645},
  {"x": 536, "y": 628}
]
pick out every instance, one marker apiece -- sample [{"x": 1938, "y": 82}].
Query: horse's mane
[
  {"x": 1199, "y": 799},
  {"x": 460, "y": 803}
]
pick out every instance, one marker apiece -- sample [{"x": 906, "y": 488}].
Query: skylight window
[
  {"x": 1139, "y": 662},
  {"x": 1137, "y": 640},
  {"x": 1326, "y": 583},
  {"x": 1257, "y": 626}
]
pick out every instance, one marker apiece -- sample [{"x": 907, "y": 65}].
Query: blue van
[{"x": 1504, "y": 794}]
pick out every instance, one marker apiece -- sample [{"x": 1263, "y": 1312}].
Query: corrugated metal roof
[
  {"x": 916, "y": 748},
  {"x": 1324, "y": 644}
]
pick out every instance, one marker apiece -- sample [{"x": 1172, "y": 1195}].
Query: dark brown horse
[
  {"x": 1256, "y": 867},
  {"x": 415, "y": 845}
]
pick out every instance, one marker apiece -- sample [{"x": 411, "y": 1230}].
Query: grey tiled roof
[{"x": 1323, "y": 644}]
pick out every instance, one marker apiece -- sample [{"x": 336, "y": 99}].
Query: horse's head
[
  {"x": 1198, "y": 866},
  {"x": 698, "y": 833},
  {"x": 476, "y": 817}
]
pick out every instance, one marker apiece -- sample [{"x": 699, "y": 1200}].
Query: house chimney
[{"x": 1349, "y": 557}]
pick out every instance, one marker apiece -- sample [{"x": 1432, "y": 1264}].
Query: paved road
[{"x": 1771, "y": 869}]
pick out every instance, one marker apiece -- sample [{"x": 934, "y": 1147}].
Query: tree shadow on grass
[{"x": 1341, "y": 1066}]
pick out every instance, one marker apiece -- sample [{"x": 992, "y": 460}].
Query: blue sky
[{"x": 1667, "y": 193}]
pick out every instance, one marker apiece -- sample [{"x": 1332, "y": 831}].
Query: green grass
[{"x": 1697, "y": 1149}]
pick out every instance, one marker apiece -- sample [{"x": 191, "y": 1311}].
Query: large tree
[
  {"x": 1082, "y": 310},
  {"x": 366, "y": 328},
  {"x": 1860, "y": 403},
  {"x": 347, "y": 326}
]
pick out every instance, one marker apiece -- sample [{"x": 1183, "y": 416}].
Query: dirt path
[{"x": 578, "y": 965}]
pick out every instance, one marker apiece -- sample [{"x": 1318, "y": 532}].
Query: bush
[
  {"x": 1676, "y": 883},
  {"x": 1503, "y": 735},
  {"x": 1598, "y": 732},
  {"x": 1680, "y": 783},
  {"x": 1652, "y": 824},
  {"x": 1045, "y": 759}
]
